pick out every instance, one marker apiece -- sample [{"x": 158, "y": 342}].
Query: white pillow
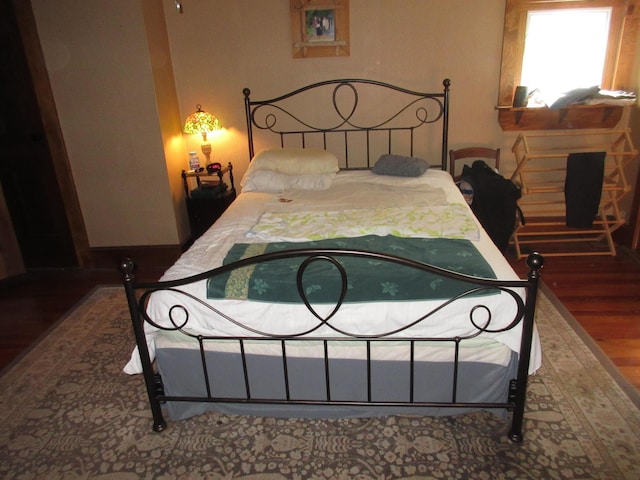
[
  {"x": 270, "y": 181},
  {"x": 295, "y": 161}
]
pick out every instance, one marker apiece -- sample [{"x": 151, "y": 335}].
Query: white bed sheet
[
  {"x": 477, "y": 349},
  {"x": 357, "y": 189}
]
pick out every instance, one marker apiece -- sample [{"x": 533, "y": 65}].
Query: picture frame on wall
[
  {"x": 319, "y": 25},
  {"x": 320, "y": 28}
]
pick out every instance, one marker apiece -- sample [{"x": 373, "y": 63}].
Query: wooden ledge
[{"x": 568, "y": 118}]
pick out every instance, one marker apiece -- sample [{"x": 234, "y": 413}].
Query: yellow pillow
[{"x": 295, "y": 161}]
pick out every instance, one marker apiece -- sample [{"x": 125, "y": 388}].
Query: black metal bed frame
[
  {"x": 267, "y": 115},
  {"x": 427, "y": 108},
  {"x": 138, "y": 295}
]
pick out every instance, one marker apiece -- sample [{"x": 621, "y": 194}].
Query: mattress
[{"x": 255, "y": 217}]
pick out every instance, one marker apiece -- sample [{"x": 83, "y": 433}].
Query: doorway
[{"x": 31, "y": 179}]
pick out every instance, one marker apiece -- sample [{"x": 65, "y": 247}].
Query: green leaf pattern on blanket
[
  {"x": 260, "y": 286},
  {"x": 368, "y": 279},
  {"x": 389, "y": 288},
  {"x": 312, "y": 288},
  {"x": 438, "y": 221}
]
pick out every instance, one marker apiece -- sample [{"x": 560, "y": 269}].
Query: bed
[{"x": 349, "y": 277}]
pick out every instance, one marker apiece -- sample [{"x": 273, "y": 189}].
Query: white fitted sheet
[{"x": 477, "y": 349}]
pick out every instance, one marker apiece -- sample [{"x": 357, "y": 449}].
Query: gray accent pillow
[{"x": 400, "y": 166}]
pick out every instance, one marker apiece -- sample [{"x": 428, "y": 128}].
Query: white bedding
[
  {"x": 434, "y": 221},
  {"x": 477, "y": 349},
  {"x": 359, "y": 190}
]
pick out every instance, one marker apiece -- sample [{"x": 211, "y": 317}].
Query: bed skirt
[{"x": 182, "y": 374}]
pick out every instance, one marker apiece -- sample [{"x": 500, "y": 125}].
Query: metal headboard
[{"x": 344, "y": 114}]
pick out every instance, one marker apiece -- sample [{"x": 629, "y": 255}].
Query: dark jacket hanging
[{"x": 583, "y": 187}]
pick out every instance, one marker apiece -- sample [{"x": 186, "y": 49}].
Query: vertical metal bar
[
  {"x": 247, "y": 113},
  {"x": 285, "y": 369},
  {"x": 456, "y": 365},
  {"x": 346, "y": 150},
  {"x": 411, "y": 140},
  {"x": 205, "y": 372},
  {"x": 245, "y": 370},
  {"x": 368, "y": 370},
  {"x": 445, "y": 124},
  {"x": 368, "y": 136},
  {"x": 412, "y": 369},
  {"x": 326, "y": 370}
]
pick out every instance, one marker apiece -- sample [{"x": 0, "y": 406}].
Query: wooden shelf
[
  {"x": 568, "y": 118},
  {"x": 203, "y": 173}
]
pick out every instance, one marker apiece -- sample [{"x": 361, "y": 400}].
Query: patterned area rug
[{"x": 68, "y": 412}]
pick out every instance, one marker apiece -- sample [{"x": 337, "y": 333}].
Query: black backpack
[{"x": 494, "y": 202}]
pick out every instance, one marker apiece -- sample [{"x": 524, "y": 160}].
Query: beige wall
[
  {"x": 102, "y": 80},
  {"x": 127, "y": 159},
  {"x": 219, "y": 47},
  {"x": 170, "y": 119}
]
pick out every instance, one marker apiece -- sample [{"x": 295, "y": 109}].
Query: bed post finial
[
  {"x": 127, "y": 267},
  {"x": 535, "y": 261}
]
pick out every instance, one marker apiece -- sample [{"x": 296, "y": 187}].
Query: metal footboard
[{"x": 522, "y": 292}]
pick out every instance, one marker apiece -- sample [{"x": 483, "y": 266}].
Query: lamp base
[{"x": 206, "y": 150}]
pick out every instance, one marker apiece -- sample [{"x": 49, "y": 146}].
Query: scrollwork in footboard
[{"x": 474, "y": 302}]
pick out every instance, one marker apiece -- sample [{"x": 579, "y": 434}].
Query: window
[
  {"x": 564, "y": 49},
  {"x": 538, "y": 32}
]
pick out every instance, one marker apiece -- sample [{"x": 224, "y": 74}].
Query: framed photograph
[
  {"x": 320, "y": 28},
  {"x": 320, "y": 25}
]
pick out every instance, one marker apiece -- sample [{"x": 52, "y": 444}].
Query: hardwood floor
[
  {"x": 31, "y": 303},
  {"x": 602, "y": 292}
]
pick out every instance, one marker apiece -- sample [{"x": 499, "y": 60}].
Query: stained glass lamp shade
[{"x": 202, "y": 122}]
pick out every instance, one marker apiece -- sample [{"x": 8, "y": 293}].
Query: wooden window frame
[{"x": 617, "y": 73}]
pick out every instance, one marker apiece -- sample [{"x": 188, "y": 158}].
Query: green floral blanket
[{"x": 368, "y": 279}]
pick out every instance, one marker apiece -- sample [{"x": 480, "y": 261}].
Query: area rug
[{"x": 68, "y": 412}]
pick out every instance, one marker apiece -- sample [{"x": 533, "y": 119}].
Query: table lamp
[{"x": 202, "y": 122}]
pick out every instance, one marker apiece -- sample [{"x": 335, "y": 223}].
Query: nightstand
[{"x": 209, "y": 199}]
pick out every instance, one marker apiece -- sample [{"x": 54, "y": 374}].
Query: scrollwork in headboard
[{"x": 352, "y": 115}]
